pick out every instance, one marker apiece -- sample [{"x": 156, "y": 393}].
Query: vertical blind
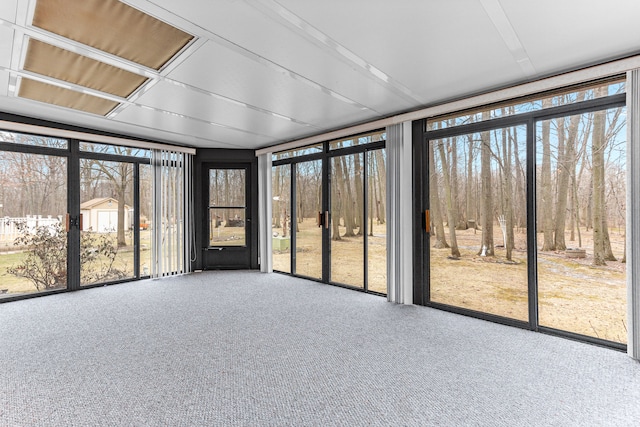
[{"x": 172, "y": 227}]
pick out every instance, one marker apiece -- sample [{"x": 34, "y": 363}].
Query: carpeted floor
[{"x": 245, "y": 348}]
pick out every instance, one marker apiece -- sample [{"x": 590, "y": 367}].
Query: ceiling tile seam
[
  {"x": 253, "y": 56},
  {"x": 127, "y": 124},
  {"x": 234, "y": 102},
  {"x": 289, "y": 73},
  {"x": 501, "y": 22},
  {"x": 122, "y": 63},
  {"x": 114, "y": 98},
  {"x": 179, "y": 134},
  {"x": 304, "y": 29}
]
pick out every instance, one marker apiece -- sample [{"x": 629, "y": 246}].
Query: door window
[{"x": 227, "y": 207}]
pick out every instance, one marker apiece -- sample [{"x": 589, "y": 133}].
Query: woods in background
[{"x": 478, "y": 180}]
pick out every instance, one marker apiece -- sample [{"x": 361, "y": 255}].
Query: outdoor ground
[
  {"x": 11, "y": 256},
  {"x": 573, "y": 295},
  {"x": 347, "y": 256}
]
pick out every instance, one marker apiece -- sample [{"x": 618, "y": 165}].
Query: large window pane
[
  {"x": 33, "y": 241},
  {"x": 281, "y": 221},
  {"x": 106, "y": 206},
  {"x": 227, "y": 207},
  {"x": 347, "y": 220},
  {"x": 308, "y": 236},
  {"x": 377, "y": 221},
  {"x": 581, "y": 208},
  {"x": 478, "y": 256}
]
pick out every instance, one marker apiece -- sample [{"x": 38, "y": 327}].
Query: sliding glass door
[
  {"x": 308, "y": 219},
  {"x": 478, "y": 238},
  {"x": 525, "y": 213},
  {"x": 329, "y": 212},
  {"x": 107, "y": 212},
  {"x": 581, "y": 206},
  {"x": 73, "y": 214}
]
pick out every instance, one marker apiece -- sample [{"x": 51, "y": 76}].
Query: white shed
[{"x": 101, "y": 215}]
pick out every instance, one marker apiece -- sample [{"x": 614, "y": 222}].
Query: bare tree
[
  {"x": 449, "y": 202},
  {"x": 486, "y": 218},
  {"x": 546, "y": 205},
  {"x": 434, "y": 200}
]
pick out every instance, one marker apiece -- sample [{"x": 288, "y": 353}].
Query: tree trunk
[
  {"x": 508, "y": 194},
  {"x": 359, "y": 208},
  {"x": 348, "y": 201},
  {"x": 120, "y": 193},
  {"x": 434, "y": 201},
  {"x": 469, "y": 181},
  {"x": 276, "y": 190},
  {"x": 381, "y": 174},
  {"x": 451, "y": 213},
  {"x": 546, "y": 205},
  {"x": 597, "y": 153},
  {"x": 487, "y": 246}
]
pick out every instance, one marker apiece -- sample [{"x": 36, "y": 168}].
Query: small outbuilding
[{"x": 101, "y": 215}]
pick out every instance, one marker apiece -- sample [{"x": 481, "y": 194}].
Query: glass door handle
[{"x": 427, "y": 221}]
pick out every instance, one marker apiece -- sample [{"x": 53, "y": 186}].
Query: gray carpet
[{"x": 245, "y": 348}]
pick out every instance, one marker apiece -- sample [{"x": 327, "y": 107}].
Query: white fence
[{"x": 9, "y": 226}]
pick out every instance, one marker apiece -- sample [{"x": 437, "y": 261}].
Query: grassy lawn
[{"x": 123, "y": 262}]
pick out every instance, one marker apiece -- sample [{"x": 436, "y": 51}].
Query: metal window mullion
[
  {"x": 365, "y": 214},
  {"x": 293, "y": 235},
  {"x": 136, "y": 220},
  {"x": 532, "y": 243}
]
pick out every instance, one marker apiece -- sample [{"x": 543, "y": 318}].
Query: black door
[{"x": 226, "y": 193}]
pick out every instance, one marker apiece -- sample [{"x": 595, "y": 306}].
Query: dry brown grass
[
  {"x": 347, "y": 257},
  {"x": 573, "y": 295}
]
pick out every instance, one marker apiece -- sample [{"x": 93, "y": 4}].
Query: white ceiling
[{"x": 262, "y": 72}]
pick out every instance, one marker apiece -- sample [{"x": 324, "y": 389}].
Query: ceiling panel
[
  {"x": 219, "y": 136},
  {"x": 8, "y": 10},
  {"x": 6, "y": 46},
  {"x": 220, "y": 70},
  {"x": 263, "y": 33},
  {"x": 595, "y": 31},
  {"x": 4, "y": 83},
  {"x": 169, "y": 97},
  {"x": 438, "y": 49}
]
